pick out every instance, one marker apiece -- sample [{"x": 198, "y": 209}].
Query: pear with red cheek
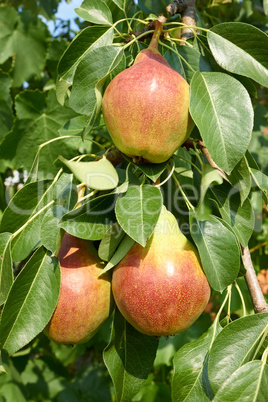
[
  {"x": 146, "y": 107},
  {"x": 85, "y": 300},
  {"x": 161, "y": 288}
]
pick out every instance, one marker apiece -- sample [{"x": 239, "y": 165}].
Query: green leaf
[
  {"x": 209, "y": 176},
  {"x": 129, "y": 358},
  {"x": 138, "y": 210},
  {"x": 6, "y": 269},
  {"x": 187, "y": 61},
  {"x": 98, "y": 175},
  {"x": 222, "y": 110},
  {"x": 110, "y": 241},
  {"x": 95, "y": 11},
  {"x": 39, "y": 116},
  {"x": 152, "y": 6},
  {"x": 241, "y": 219},
  {"x": 90, "y": 74},
  {"x": 20, "y": 32},
  {"x": 212, "y": 239},
  {"x": 24, "y": 209},
  {"x": 92, "y": 220},
  {"x": 121, "y": 4},
  {"x": 152, "y": 170},
  {"x": 235, "y": 52},
  {"x": 189, "y": 380},
  {"x": 241, "y": 179},
  {"x": 50, "y": 233},
  {"x": 31, "y": 301},
  {"x": 261, "y": 181},
  {"x": 245, "y": 333},
  {"x": 88, "y": 39},
  {"x": 123, "y": 248},
  {"x": 248, "y": 383},
  {"x": 6, "y": 115}
]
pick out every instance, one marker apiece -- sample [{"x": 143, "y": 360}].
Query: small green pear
[
  {"x": 146, "y": 107},
  {"x": 85, "y": 300},
  {"x": 161, "y": 288}
]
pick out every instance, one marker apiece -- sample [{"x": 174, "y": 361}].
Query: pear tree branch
[{"x": 187, "y": 10}]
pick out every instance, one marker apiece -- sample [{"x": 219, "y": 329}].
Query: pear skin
[
  {"x": 146, "y": 107},
  {"x": 161, "y": 288},
  {"x": 85, "y": 300}
]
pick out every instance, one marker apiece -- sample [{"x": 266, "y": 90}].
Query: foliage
[{"x": 53, "y": 137}]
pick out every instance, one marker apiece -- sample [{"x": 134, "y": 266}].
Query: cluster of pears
[
  {"x": 146, "y": 107},
  {"x": 160, "y": 289}
]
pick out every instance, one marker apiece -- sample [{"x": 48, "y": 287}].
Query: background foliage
[{"x": 50, "y": 87}]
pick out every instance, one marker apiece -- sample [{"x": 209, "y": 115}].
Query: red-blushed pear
[
  {"x": 161, "y": 288},
  {"x": 146, "y": 107},
  {"x": 85, "y": 300}
]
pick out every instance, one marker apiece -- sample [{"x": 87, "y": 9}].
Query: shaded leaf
[
  {"x": 6, "y": 115},
  {"x": 241, "y": 219},
  {"x": 120, "y": 253},
  {"x": 21, "y": 31},
  {"x": 50, "y": 233},
  {"x": 241, "y": 179},
  {"x": 129, "y": 358},
  {"x": 110, "y": 242},
  {"x": 92, "y": 220}
]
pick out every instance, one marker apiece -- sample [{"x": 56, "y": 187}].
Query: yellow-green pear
[
  {"x": 161, "y": 288},
  {"x": 146, "y": 107}
]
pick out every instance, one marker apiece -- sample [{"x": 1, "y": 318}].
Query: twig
[
  {"x": 258, "y": 300},
  {"x": 187, "y": 10},
  {"x": 211, "y": 161}
]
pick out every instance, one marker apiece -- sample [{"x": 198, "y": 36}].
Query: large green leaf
[
  {"x": 90, "y": 74},
  {"x": 187, "y": 61},
  {"x": 242, "y": 49},
  {"x": 129, "y": 358},
  {"x": 138, "y": 210},
  {"x": 189, "y": 380},
  {"x": 95, "y": 11},
  {"x": 222, "y": 110},
  {"x": 221, "y": 268},
  {"x": 247, "y": 384},
  {"x": 6, "y": 115},
  {"x": 88, "y": 39},
  {"x": 24, "y": 36},
  {"x": 152, "y": 6},
  {"x": 6, "y": 269},
  {"x": 245, "y": 333},
  {"x": 39, "y": 117},
  {"x": 31, "y": 301}
]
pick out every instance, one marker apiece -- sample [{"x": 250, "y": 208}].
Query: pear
[
  {"x": 146, "y": 107},
  {"x": 161, "y": 288},
  {"x": 85, "y": 300}
]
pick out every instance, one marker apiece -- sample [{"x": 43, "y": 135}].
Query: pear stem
[{"x": 156, "y": 35}]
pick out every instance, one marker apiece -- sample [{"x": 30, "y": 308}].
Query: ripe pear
[
  {"x": 85, "y": 300},
  {"x": 161, "y": 288},
  {"x": 146, "y": 107}
]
